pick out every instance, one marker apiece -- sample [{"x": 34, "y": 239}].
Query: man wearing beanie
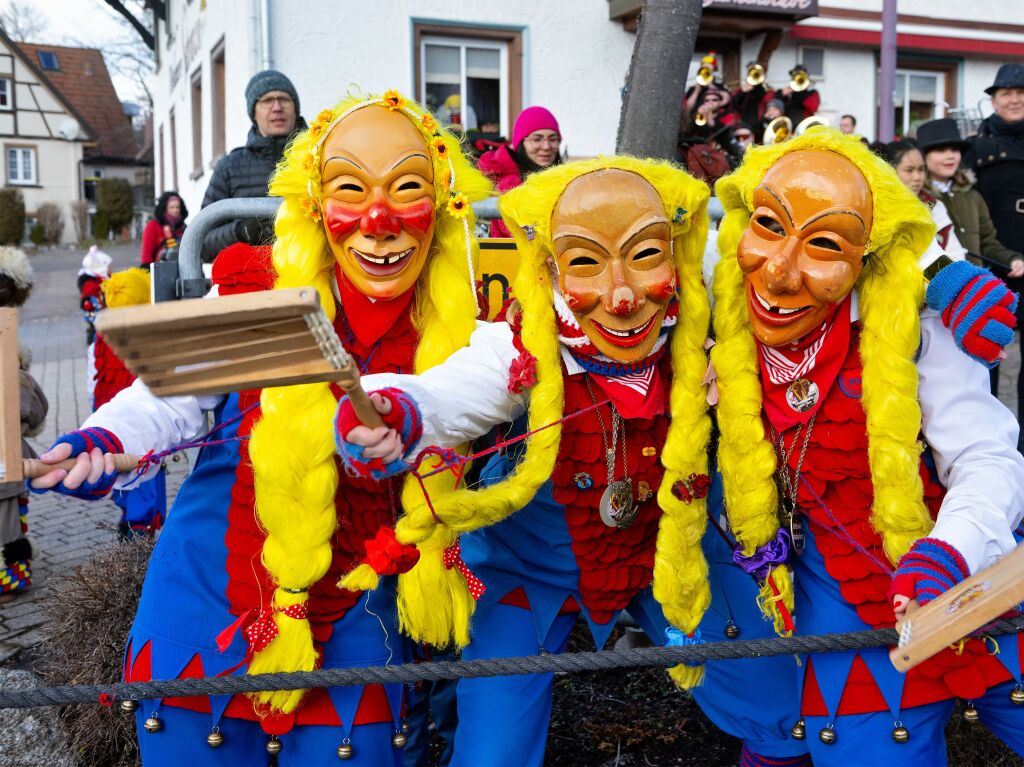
[{"x": 273, "y": 105}]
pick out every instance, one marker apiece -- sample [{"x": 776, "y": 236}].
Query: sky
[{"x": 85, "y": 22}]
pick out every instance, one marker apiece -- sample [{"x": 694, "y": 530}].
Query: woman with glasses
[{"x": 536, "y": 141}]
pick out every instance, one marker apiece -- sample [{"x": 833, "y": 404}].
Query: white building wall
[
  {"x": 57, "y": 167},
  {"x": 574, "y": 62}
]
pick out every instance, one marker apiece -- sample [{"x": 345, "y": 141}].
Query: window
[
  {"x": 217, "y": 100},
  {"x": 197, "y": 124},
  {"x": 813, "y": 60},
  {"x": 174, "y": 149},
  {"x": 5, "y": 93},
  {"x": 21, "y": 165},
  {"x": 918, "y": 98},
  {"x": 48, "y": 60},
  {"x": 470, "y": 77}
]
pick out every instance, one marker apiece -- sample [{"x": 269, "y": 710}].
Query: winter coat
[
  {"x": 243, "y": 172},
  {"x": 996, "y": 156},
  {"x": 971, "y": 219},
  {"x": 500, "y": 166},
  {"x": 156, "y": 238}
]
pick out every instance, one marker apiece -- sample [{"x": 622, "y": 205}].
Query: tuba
[
  {"x": 778, "y": 130},
  {"x": 810, "y": 122},
  {"x": 755, "y": 74},
  {"x": 800, "y": 81}
]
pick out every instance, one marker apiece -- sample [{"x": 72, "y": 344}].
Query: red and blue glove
[
  {"x": 931, "y": 567},
  {"x": 83, "y": 441},
  {"x": 403, "y": 418},
  {"x": 978, "y": 309}
]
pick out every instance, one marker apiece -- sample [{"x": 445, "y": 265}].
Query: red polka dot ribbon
[
  {"x": 453, "y": 558},
  {"x": 264, "y": 630}
]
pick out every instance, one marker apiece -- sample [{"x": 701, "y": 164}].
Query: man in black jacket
[{"x": 273, "y": 105}]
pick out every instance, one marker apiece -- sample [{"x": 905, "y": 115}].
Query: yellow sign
[{"x": 499, "y": 261}]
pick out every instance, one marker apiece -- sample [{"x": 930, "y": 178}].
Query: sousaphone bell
[{"x": 778, "y": 130}]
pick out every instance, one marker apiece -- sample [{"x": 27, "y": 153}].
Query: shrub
[
  {"x": 80, "y": 218},
  {"x": 37, "y": 234},
  {"x": 114, "y": 199},
  {"x": 100, "y": 225},
  {"x": 51, "y": 219},
  {"x": 12, "y": 216}
]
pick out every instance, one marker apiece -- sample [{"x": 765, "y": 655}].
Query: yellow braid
[
  {"x": 292, "y": 445},
  {"x": 890, "y": 290},
  {"x": 680, "y": 572}
]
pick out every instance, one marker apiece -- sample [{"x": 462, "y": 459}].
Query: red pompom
[
  {"x": 522, "y": 373},
  {"x": 387, "y": 556}
]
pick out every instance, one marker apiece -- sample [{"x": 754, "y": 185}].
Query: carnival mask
[
  {"x": 378, "y": 200},
  {"x": 804, "y": 248},
  {"x": 612, "y": 247}
]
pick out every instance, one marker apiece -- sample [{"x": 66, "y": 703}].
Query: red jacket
[
  {"x": 499, "y": 165},
  {"x": 155, "y": 237}
]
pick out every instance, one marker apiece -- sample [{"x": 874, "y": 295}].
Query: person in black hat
[
  {"x": 799, "y": 97},
  {"x": 273, "y": 106},
  {"x": 942, "y": 146}
]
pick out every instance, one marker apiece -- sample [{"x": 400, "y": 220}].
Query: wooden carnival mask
[
  {"x": 804, "y": 248},
  {"x": 378, "y": 200},
  {"x": 612, "y": 246}
]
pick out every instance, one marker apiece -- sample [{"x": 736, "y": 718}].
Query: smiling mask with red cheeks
[
  {"x": 803, "y": 250},
  {"x": 378, "y": 200},
  {"x": 612, "y": 247}
]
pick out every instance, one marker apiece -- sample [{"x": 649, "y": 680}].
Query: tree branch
[{"x": 145, "y": 34}]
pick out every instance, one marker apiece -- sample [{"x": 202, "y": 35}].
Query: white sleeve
[
  {"x": 144, "y": 422},
  {"x": 973, "y": 438},
  {"x": 954, "y": 249},
  {"x": 466, "y": 395}
]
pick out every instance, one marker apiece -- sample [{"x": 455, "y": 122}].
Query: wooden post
[{"x": 10, "y": 402}]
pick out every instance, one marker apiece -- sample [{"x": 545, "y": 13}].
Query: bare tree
[
  {"x": 22, "y": 22},
  {"x": 135, "y": 13},
  {"x": 656, "y": 84}
]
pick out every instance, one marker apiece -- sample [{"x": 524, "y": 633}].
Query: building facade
[{"x": 571, "y": 56}]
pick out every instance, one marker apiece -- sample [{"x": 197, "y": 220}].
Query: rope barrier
[{"x": 415, "y": 672}]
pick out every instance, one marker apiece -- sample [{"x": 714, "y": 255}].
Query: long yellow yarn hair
[
  {"x": 890, "y": 290},
  {"x": 126, "y": 288},
  {"x": 292, "y": 445},
  {"x": 680, "y": 572}
]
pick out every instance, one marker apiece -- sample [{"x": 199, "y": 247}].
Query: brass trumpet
[
  {"x": 705, "y": 75},
  {"x": 800, "y": 81},
  {"x": 755, "y": 74},
  {"x": 778, "y": 130},
  {"x": 700, "y": 119}
]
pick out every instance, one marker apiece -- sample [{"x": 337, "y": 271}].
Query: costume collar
[
  {"x": 369, "y": 319},
  {"x": 795, "y": 381}
]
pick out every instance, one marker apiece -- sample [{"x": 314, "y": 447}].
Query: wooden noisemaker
[
  {"x": 966, "y": 607},
  {"x": 233, "y": 343}
]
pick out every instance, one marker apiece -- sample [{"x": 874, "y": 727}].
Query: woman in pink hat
[{"x": 536, "y": 139}]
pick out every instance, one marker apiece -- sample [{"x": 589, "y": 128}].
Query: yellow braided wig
[
  {"x": 890, "y": 291},
  {"x": 126, "y": 288},
  {"x": 680, "y": 573},
  {"x": 292, "y": 445}
]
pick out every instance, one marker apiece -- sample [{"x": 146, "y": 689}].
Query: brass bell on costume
[
  {"x": 971, "y": 714},
  {"x": 827, "y": 736},
  {"x": 129, "y": 706},
  {"x": 1017, "y": 696},
  {"x": 731, "y": 630},
  {"x": 273, "y": 746},
  {"x": 345, "y": 751},
  {"x": 215, "y": 739},
  {"x": 405, "y": 727},
  {"x": 900, "y": 734},
  {"x": 799, "y": 730},
  {"x": 153, "y": 724},
  {"x": 399, "y": 739}
]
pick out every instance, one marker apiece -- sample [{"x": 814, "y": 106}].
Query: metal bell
[
  {"x": 129, "y": 706},
  {"x": 1017, "y": 696},
  {"x": 827, "y": 735},
  {"x": 405, "y": 727},
  {"x": 215, "y": 739},
  {"x": 799, "y": 731},
  {"x": 399, "y": 739},
  {"x": 345, "y": 751},
  {"x": 971, "y": 714},
  {"x": 731, "y": 630},
  {"x": 900, "y": 734},
  {"x": 273, "y": 745},
  {"x": 153, "y": 724}
]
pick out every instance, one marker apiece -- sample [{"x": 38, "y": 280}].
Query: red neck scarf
[
  {"x": 796, "y": 380},
  {"x": 369, "y": 319}
]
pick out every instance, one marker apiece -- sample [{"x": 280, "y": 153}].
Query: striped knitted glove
[
  {"x": 978, "y": 309},
  {"x": 930, "y": 568},
  {"x": 83, "y": 441},
  {"x": 403, "y": 418}
]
